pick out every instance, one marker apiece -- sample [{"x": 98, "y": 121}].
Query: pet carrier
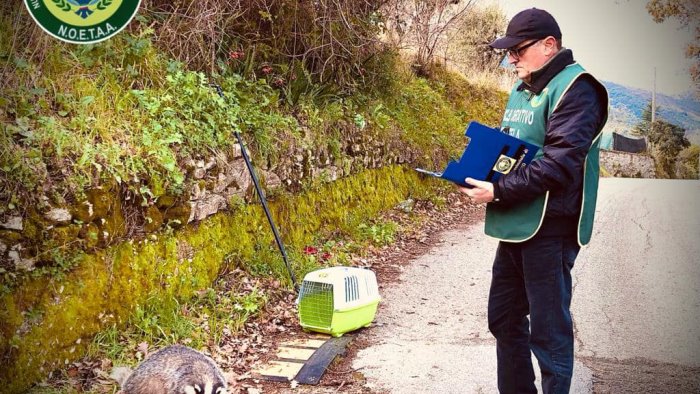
[{"x": 337, "y": 300}]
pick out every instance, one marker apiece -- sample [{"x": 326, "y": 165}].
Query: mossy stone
[
  {"x": 157, "y": 185},
  {"x": 166, "y": 201},
  {"x": 177, "y": 215},
  {"x": 10, "y": 237},
  {"x": 83, "y": 211},
  {"x": 34, "y": 227},
  {"x": 112, "y": 227},
  {"x": 154, "y": 219},
  {"x": 90, "y": 234},
  {"x": 65, "y": 234},
  {"x": 102, "y": 201}
]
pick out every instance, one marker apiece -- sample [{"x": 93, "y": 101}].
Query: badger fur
[{"x": 174, "y": 369}]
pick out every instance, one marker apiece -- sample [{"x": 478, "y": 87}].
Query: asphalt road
[{"x": 636, "y": 303}]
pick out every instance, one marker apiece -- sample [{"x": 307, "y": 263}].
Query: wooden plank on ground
[
  {"x": 294, "y": 353},
  {"x": 306, "y": 343},
  {"x": 280, "y": 370},
  {"x": 315, "y": 366}
]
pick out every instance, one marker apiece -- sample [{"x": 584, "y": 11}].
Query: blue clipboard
[{"x": 489, "y": 154}]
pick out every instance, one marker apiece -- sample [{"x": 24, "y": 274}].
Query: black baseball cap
[{"x": 528, "y": 24}]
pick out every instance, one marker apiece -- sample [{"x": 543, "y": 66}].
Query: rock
[
  {"x": 43, "y": 202},
  {"x": 200, "y": 168},
  {"x": 406, "y": 205},
  {"x": 235, "y": 173},
  {"x": 178, "y": 215},
  {"x": 165, "y": 202},
  {"x": 190, "y": 164},
  {"x": 231, "y": 192},
  {"x": 154, "y": 219},
  {"x": 199, "y": 173},
  {"x": 222, "y": 182},
  {"x": 210, "y": 205},
  {"x": 197, "y": 192},
  {"x": 333, "y": 172},
  {"x": 211, "y": 163},
  {"x": 237, "y": 151},
  {"x": 21, "y": 264},
  {"x": 58, "y": 215},
  {"x": 84, "y": 212},
  {"x": 3, "y": 248},
  {"x": 65, "y": 234},
  {"x": 25, "y": 265},
  {"x": 90, "y": 234},
  {"x": 101, "y": 200},
  {"x": 272, "y": 181},
  {"x": 13, "y": 223}
]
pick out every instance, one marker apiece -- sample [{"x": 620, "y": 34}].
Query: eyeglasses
[{"x": 517, "y": 53}]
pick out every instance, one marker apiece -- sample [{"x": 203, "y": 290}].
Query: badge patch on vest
[
  {"x": 504, "y": 164},
  {"x": 539, "y": 99}
]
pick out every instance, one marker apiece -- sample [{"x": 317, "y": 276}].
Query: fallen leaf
[
  {"x": 143, "y": 348},
  {"x": 72, "y": 372}
]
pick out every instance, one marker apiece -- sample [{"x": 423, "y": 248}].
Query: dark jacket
[{"x": 570, "y": 131}]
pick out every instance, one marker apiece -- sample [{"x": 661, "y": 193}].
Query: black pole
[{"x": 261, "y": 195}]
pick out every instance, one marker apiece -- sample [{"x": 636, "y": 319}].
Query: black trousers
[{"x": 533, "y": 278}]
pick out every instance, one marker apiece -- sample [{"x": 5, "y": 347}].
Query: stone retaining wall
[{"x": 627, "y": 165}]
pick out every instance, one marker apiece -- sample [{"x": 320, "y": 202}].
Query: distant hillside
[{"x": 627, "y": 105}]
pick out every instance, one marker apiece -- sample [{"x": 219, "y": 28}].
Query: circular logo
[
  {"x": 504, "y": 164},
  {"x": 82, "y": 21}
]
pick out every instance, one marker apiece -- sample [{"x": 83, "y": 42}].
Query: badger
[{"x": 175, "y": 369}]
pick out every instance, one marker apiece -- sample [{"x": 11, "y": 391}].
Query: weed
[
  {"x": 380, "y": 233},
  {"x": 109, "y": 343},
  {"x": 156, "y": 324},
  {"x": 219, "y": 310}
]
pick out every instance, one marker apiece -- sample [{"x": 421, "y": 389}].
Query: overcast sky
[{"x": 617, "y": 41}]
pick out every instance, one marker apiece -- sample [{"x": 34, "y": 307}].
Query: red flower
[
  {"x": 310, "y": 250},
  {"x": 236, "y": 55},
  {"x": 325, "y": 256},
  {"x": 266, "y": 69},
  {"x": 278, "y": 82}
]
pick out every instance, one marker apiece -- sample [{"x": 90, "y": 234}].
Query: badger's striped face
[{"x": 207, "y": 388}]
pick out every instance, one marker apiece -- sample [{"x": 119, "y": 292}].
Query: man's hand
[{"x": 482, "y": 192}]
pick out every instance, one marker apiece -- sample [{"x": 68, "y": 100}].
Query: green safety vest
[{"x": 526, "y": 118}]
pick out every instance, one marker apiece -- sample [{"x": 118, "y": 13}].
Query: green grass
[
  {"x": 201, "y": 321},
  {"x": 380, "y": 234}
]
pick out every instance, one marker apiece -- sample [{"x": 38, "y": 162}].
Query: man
[{"x": 541, "y": 213}]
